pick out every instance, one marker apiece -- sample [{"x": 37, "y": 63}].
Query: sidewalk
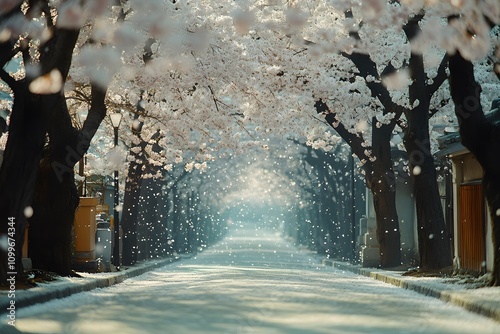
[
  {"x": 484, "y": 301},
  {"x": 67, "y": 286}
]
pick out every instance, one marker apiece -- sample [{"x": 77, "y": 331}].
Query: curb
[
  {"x": 40, "y": 294},
  {"x": 465, "y": 298}
]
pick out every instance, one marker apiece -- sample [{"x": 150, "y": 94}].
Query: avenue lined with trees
[{"x": 310, "y": 96}]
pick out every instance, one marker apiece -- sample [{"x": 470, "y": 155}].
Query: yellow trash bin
[{"x": 85, "y": 229}]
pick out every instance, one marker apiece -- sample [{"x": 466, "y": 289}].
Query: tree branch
[
  {"x": 356, "y": 142},
  {"x": 367, "y": 68},
  {"x": 435, "y": 110},
  {"x": 96, "y": 114},
  {"x": 10, "y": 81},
  {"x": 440, "y": 78},
  {"x": 465, "y": 92},
  {"x": 57, "y": 53}
]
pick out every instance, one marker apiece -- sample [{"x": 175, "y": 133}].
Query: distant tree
[
  {"x": 133, "y": 185},
  {"x": 331, "y": 190}
]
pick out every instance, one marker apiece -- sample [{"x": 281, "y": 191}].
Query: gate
[{"x": 471, "y": 233}]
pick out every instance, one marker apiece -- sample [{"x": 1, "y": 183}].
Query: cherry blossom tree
[
  {"x": 53, "y": 30},
  {"x": 357, "y": 79},
  {"x": 467, "y": 31},
  {"x": 36, "y": 96},
  {"x": 333, "y": 195},
  {"x": 217, "y": 75}
]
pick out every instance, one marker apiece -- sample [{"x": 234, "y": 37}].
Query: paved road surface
[{"x": 252, "y": 282}]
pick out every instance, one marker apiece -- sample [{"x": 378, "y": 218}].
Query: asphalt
[{"x": 484, "y": 301}]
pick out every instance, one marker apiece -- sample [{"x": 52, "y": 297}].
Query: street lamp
[
  {"x": 82, "y": 186},
  {"x": 115, "y": 121}
]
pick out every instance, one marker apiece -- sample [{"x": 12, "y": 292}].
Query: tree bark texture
[
  {"x": 382, "y": 184},
  {"x": 50, "y": 233},
  {"x": 28, "y": 125},
  {"x": 434, "y": 242},
  {"x": 130, "y": 213},
  {"x": 56, "y": 198}
]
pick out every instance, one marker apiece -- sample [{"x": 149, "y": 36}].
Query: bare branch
[{"x": 213, "y": 98}]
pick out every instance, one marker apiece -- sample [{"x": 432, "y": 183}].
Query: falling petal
[{"x": 49, "y": 83}]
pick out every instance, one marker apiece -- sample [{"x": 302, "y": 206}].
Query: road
[{"x": 251, "y": 282}]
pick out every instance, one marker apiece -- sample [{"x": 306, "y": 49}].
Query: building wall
[
  {"x": 467, "y": 169},
  {"x": 405, "y": 207}
]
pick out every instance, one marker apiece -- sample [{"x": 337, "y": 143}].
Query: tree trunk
[
  {"x": 54, "y": 205},
  {"x": 156, "y": 233},
  {"x": 380, "y": 179},
  {"x": 388, "y": 235},
  {"x": 30, "y": 118},
  {"x": 28, "y": 125},
  {"x": 434, "y": 241},
  {"x": 143, "y": 223},
  {"x": 302, "y": 224},
  {"x": 56, "y": 197},
  {"x": 176, "y": 224},
  {"x": 330, "y": 201},
  {"x": 382, "y": 184},
  {"x": 191, "y": 226},
  {"x": 482, "y": 139},
  {"x": 131, "y": 211}
]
